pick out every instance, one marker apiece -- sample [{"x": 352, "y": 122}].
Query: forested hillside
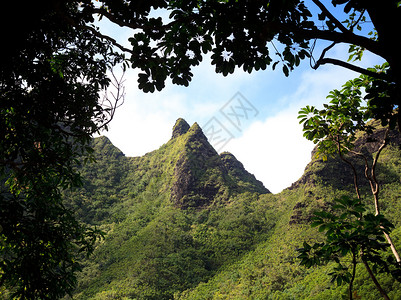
[{"x": 184, "y": 222}]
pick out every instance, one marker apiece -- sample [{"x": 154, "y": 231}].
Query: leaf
[
  {"x": 286, "y": 71},
  {"x": 348, "y": 7},
  {"x": 339, "y": 280},
  {"x": 321, "y": 16},
  {"x": 306, "y": 246},
  {"x": 314, "y": 224},
  {"x": 345, "y": 251}
]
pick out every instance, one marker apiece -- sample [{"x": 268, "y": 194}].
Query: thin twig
[
  {"x": 110, "y": 106},
  {"x": 351, "y": 28},
  {"x": 317, "y": 63},
  {"x": 373, "y": 170},
  {"x": 356, "y": 184},
  {"x": 108, "y": 38},
  {"x": 351, "y": 67}
]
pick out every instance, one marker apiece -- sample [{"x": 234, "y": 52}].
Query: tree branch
[
  {"x": 108, "y": 38},
  {"x": 373, "y": 170},
  {"x": 374, "y": 279},
  {"x": 113, "y": 19},
  {"x": 357, "y": 21},
  {"x": 110, "y": 106},
  {"x": 316, "y": 65},
  {"x": 356, "y": 184},
  {"x": 337, "y": 62},
  {"x": 95, "y": 32},
  {"x": 374, "y": 186},
  {"x": 351, "y": 282},
  {"x": 335, "y": 36},
  {"x": 375, "y": 191},
  {"x": 331, "y": 17}
]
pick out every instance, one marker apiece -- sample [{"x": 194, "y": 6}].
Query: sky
[{"x": 253, "y": 116}]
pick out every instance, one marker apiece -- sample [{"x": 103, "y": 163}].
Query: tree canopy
[
  {"x": 55, "y": 66},
  {"x": 50, "y": 78},
  {"x": 253, "y": 35}
]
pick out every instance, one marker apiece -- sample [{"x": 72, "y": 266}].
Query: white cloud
[{"x": 274, "y": 150}]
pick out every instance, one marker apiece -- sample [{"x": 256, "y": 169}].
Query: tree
[
  {"x": 50, "y": 79},
  {"x": 334, "y": 129},
  {"x": 56, "y": 65},
  {"x": 254, "y": 34},
  {"x": 349, "y": 231}
]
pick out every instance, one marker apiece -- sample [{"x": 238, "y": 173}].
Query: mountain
[
  {"x": 184, "y": 222},
  {"x": 201, "y": 176},
  {"x": 169, "y": 216},
  {"x": 272, "y": 270}
]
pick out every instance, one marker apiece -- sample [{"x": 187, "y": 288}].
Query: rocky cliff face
[
  {"x": 323, "y": 171},
  {"x": 236, "y": 170},
  {"x": 335, "y": 174},
  {"x": 181, "y": 127},
  {"x": 187, "y": 168},
  {"x": 201, "y": 175}
]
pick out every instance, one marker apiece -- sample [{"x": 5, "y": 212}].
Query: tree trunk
[
  {"x": 351, "y": 282},
  {"x": 386, "y": 18},
  {"x": 374, "y": 279}
]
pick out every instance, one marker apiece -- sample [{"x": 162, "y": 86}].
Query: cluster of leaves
[
  {"x": 241, "y": 35},
  {"x": 50, "y": 80},
  {"x": 383, "y": 98},
  {"x": 236, "y": 33},
  {"x": 350, "y": 232},
  {"x": 334, "y": 127}
]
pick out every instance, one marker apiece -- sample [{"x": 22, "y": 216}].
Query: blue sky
[{"x": 268, "y": 141}]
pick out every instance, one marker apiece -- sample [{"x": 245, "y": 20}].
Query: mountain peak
[
  {"x": 195, "y": 133},
  {"x": 181, "y": 127},
  {"x": 195, "y": 127},
  {"x": 202, "y": 176},
  {"x": 245, "y": 180}
]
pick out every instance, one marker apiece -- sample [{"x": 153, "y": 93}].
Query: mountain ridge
[{"x": 184, "y": 222}]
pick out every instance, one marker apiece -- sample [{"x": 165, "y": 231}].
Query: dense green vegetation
[
  {"x": 55, "y": 69},
  {"x": 224, "y": 236}
]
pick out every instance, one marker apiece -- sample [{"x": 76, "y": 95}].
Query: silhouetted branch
[
  {"x": 333, "y": 61},
  {"x": 108, "y": 38},
  {"x": 113, "y": 100},
  {"x": 323, "y": 8}
]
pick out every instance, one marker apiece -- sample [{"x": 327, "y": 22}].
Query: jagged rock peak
[
  {"x": 237, "y": 170},
  {"x": 198, "y": 142},
  {"x": 181, "y": 127},
  {"x": 103, "y": 146},
  {"x": 196, "y": 129}
]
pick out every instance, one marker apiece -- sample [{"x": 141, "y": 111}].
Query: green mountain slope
[
  {"x": 172, "y": 217},
  {"x": 272, "y": 270},
  {"x": 185, "y": 222}
]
